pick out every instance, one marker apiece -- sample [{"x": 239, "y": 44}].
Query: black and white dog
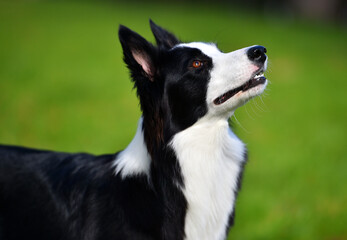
[{"x": 179, "y": 176}]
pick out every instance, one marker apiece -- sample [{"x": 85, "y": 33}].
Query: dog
[{"x": 179, "y": 176}]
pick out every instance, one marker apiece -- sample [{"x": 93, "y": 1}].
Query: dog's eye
[{"x": 197, "y": 64}]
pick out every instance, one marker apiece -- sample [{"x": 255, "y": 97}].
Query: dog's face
[
  {"x": 189, "y": 81},
  {"x": 228, "y": 79}
]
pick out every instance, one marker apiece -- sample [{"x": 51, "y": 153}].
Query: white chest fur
[{"x": 210, "y": 156}]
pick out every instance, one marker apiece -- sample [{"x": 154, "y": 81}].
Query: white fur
[
  {"x": 230, "y": 70},
  {"x": 134, "y": 160},
  {"x": 209, "y": 153},
  {"x": 210, "y": 49},
  {"x": 210, "y": 156}
]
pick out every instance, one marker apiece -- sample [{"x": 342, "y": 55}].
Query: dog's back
[{"x": 52, "y": 195}]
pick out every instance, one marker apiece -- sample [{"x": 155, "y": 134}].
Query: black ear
[
  {"x": 139, "y": 55},
  {"x": 163, "y": 38}
]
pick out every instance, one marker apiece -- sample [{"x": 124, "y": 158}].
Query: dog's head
[{"x": 183, "y": 82}]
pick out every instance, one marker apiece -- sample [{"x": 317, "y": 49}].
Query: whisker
[
  {"x": 243, "y": 128},
  {"x": 249, "y": 115}
]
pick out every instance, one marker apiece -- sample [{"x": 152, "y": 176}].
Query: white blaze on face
[{"x": 229, "y": 71}]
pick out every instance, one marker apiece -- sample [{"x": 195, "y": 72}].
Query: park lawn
[{"x": 64, "y": 87}]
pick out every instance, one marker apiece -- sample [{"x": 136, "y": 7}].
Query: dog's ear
[
  {"x": 139, "y": 55},
  {"x": 163, "y": 38}
]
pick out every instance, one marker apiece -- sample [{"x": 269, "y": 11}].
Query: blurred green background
[{"x": 63, "y": 86}]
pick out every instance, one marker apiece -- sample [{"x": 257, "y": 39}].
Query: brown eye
[{"x": 197, "y": 64}]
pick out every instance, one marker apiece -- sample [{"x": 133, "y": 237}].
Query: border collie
[{"x": 177, "y": 179}]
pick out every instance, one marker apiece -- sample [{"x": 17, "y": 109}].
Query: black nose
[{"x": 257, "y": 54}]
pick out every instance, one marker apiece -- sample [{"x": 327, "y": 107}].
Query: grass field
[{"x": 64, "y": 87}]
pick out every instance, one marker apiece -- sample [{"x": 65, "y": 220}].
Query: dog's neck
[
  {"x": 211, "y": 158},
  {"x": 204, "y": 163}
]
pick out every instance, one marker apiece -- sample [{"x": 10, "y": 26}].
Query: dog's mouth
[{"x": 257, "y": 79}]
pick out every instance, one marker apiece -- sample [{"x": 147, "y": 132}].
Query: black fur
[{"x": 63, "y": 196}]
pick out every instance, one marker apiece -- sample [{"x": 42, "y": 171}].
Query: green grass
[{"x": 64, "y": 87}]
